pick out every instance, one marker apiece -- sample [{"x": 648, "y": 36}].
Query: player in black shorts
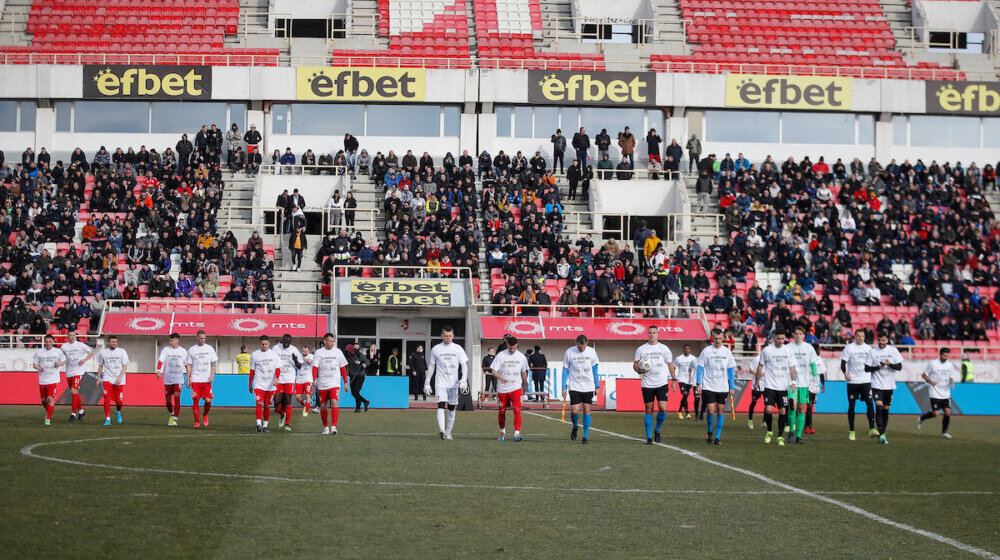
[{"x": 940, "y": 376}]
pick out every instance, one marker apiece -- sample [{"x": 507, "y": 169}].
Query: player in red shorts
[
  {"x": 47, "y": 361},
  {"x": 171, "y": 366},
  {"x": 111, "y": 364},
  {"x": 264, "y": 366},
  {"x": 291, "y": 361},
  {"x": 304, "y": 378},
  {"x": 77, "y": 356},
  {"x": 510, "y": 367},
  {"x": 329, "y": 367},
  {"x": 201, "y": 365}
]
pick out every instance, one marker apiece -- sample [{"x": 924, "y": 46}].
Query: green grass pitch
[{"x": 388, "y": 487}]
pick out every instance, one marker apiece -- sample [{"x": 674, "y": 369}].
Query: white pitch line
[{"x": 815, "y": 495}]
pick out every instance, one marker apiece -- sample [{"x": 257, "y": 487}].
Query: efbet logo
[
  {"x": 153, "y": 82},
  {"x": 789, "y": 92},
  {"x": 979, "y": 98},
  {"x": 360, "y": 84},
  {"x": 592, "y": 88}
]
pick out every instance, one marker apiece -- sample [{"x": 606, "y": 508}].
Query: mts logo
[
  {"x": 817, "y": 93},
  {"x": 969, "y": 98},
  {"x": 356, "y": 83}
]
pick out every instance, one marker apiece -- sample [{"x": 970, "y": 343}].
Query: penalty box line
[{"x": 802, "y": 492}]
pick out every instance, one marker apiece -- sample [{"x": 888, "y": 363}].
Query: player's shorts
[
  {"x": 776, "y": 398},
  {"x": 684, "y": 387},
  {"x": 511, "y": 399},
  {"x": 446, "y": 394},
  {"x": 883, "y": 395},
  {"x": 329, "y": 394},
  {"x": 74, "y": 382},
  {"x": 940, "y": 404},
  {"x": 172, "y": 387},
  {"x": 755, "y": 394},
  {"x": 288, "y": 388},
  {"x": 800, "y": 395},
  {"x": 859, "y": 391},
  {"x": 48, "y": 390},
  {"x": 201, "y": 390},
  {"x": 580, "y": 397},
  {"x": 113, "y": 392},
  {"x": 649, "y": 394},
  {"x": 304, "y": 388},
  {"x": 709, "y": 397},
  {"x": 262, "y": 396}
]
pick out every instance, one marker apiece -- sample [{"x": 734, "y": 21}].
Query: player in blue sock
[
  {"x": 716, "y": 381},
  {"x": 580, "y": 383},
  {"x": 655, "y": 363}
]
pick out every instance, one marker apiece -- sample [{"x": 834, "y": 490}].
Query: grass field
[{"x": 387, "y": 487}]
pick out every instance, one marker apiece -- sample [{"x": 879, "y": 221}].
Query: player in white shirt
[
  {"x": 815, "y": 388},
  {"x": 716, "y": 382},
  {"x": 805, "y": 372},
  {"x": 304, "y": 381},
  {"x": 265, "y": 364},
  {"x": 171, "y": 365},
  {"x": 686, "y": 368},
  {"x": 883, "y": 362},
  {"x": 77, "y": 356},
  {"x": 329, "y": 366},
  {"x": 655, "y": 384},
  {"x": 449, "y": 366},
  {"x": 510, "y": 368},
  {"x": 111, "y": 364},
  {"x": 581, "y": 382},
  {"x": 940, "y": 375},
  {"x": 47, "y": 361},
  {"x": 859, "y": 381},
  {"x": 756, "y": 389},
  {"x": 291, "y": 361},
  {"x": 202, "y": 362},
  {"x": 777, "y": 366}
]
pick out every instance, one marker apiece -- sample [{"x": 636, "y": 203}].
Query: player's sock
[
  {"x": 586, "y": 424},
  {"x": 267, "y": 413},
  {"x": 647, "y": 420},
  {"x": 710, "y": 419},
  {"x": 451, "y": 421},
  {"x": 208, "y": 406},
  {"x": 753, "y": 405},
  {"x": 878, "y": 419},
  {"x": 517, "y": 421},
  {"x": 265, "y": 421},
  {"x": 107, "y": 408},
  {"x": 49, "y": 409},
  {"x": 660, "y": 417},
  {"x": 720, "y": 419},
  {"x": 870, "y": 413},
  {"x": 809, "y": 415},
  {"x": 768, "y": 420},
  {"x": 502, "y": 419},
  {"x": 885, "y": 419},
  {"x": 927, "y": 416},
  {"x": 177, "y": 405},
  {"x": 76, "y": 403},
  {"x": 800, "y": 423},
  {"x": 169, "y": 399},
  {"x": 850, "y": 414},
  {"x": 196, "y": 410},
  {"x": 781, "y": 424},
  {"x": 259, "y": 412},
  {"x": 258, "y": 421},
  {"x": 440, "y": 418},
  {"x": 792, "y": 418},
  {"x": 306, "y": 404},
  {"x": 945, "y": 422},
  {"x": 575, "y": 418},
  {"x": 288, "y": 413},
  {"x": 334, "y": 416},
  {"x": 323, "y": 416}
]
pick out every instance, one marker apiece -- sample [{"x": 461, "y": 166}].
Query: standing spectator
[
  {"x": 284, "y": 206},
  {"x": 336, "y": 206},
  {"x": 350, "y": 203},
  {"x": 673, "y": 155},
  {"x": 653, "y": 142},
  {"x": 626, "y": 141},
  {"x": 184, "y": 149},
  {"x": 201, "y": 140},
  {"x": 558, "y": 150},
  {"x": 233, "y": 139},
  {"x": 297, "y": 244},
  {"x": 374, "y": 357},
  {"x": 539, "y": 370},
  {"x": 252, "y": 138},
  {"x": 573, "y": 175},
  {"x": 392, "y": 363},
  {"x": 357, "y": 368},
  {"x": 417, "y": 365},
  {"x": 351, "y": 146},
  {"x": 694, "y": 152},
  {"x": 581, "y": 143},
  {"x": 491, "y": 382},
  {"x": 704, "y": 190},
  {"x": 603, "y": 143}
]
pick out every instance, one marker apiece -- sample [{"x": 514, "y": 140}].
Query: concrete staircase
[
  {"x": 899, "y": 16},
  {"x": 361, "y": 34},
  {"x": 13, "y": 23},
  {"x": 668, "y": 37}
]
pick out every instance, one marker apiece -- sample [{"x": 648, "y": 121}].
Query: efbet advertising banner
[
  {"x": 826, "y": 93},
  {"x": 963, "y": 98},
  {"x": 114, "y": 81},
  {"x": 398, "y": 85},
  {"x": 607, "y": 89},
  {"x": 402, "y": 292}
]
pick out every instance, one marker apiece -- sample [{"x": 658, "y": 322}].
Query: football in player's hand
[{"x": 645, "y": 365}]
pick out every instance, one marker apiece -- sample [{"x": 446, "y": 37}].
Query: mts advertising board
[
  {"x": 225, "y": 324},
  {"x": 568, "y": 328}
]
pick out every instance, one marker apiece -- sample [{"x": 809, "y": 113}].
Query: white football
[{"x": 645, "y": 365}]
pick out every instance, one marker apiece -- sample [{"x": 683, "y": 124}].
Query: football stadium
[{"x": 500, "y": 278}]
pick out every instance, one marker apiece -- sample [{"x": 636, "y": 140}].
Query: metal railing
[
  {"x": 516, "y": 309},
  {"x": 16, "y": 341},
  {"x": 15, "y": 19},
  {"x": 299, "y": 169},
  {"x": 680, "y": 226},
  {"x": 392, "y": 271},
  {"x": 214, "y": 306},
  {"x": 651, "y": 30},
  {"x": 637, "y": 173},
  {"x": 370, "y": 215},
  {"x": 863, "y": 72},
  {"x": 247, "y": 29}
]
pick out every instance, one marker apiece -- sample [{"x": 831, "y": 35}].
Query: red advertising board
[
  {"x": 568, "y": 328},
  {"x": 215, "y": 324}
]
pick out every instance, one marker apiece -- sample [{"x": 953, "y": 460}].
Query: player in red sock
[
  {"x": 47, "y": 361},
  {"x": 201, "y": 364},
  {"x": 171, "y": 367},
  {"x": 329, "y": 367},
  {"x": 510, "y": 367},
  {"x": 111, "y": 364},
  {"x": 264, "y": 366},
  {"x": 304, "y": 378},
  {"x": 291, "y": 361},
  {"x": 77, "y": 355}
]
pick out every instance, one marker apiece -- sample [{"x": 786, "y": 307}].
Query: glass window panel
[
  {"x": 279, "y": 119},
  {"x": 522, "y": 122},
  {"x": 654, "y": 119},
  {"x": 8, "y": 116},
  {"x": 991, "y": 133},
  {"x": 404, "y": 120},
  {"x": 27, "y": 116},
  {"x": 64, "y": 116},
  {"x": 615, "y": 120},
  {"x": 817, "y": 128},
  {"x": 112, "y": 116},
  {"x": 899, "y": 130},
  {"x": 546, "y": 121},
  {"x": 960, "y": 132},
  {"x": 741, "y": 126},
  {"x": 866, "y": 129},
  {"x": 334, "y": 120},
  {"x": 238, "y": 115},
  {"x": 503, "y": 122},
  {"x": 452, "y": 126},
  {"x": 569, "y": 120},
  {"x": 187, "y": 116}
]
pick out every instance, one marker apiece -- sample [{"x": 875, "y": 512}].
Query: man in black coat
[
  {"x": 357, "y": 368},
  {"x": 539, "y": 368},
  {"x": 581, "y": 143},
  {"x": 418, "y": 372}
]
